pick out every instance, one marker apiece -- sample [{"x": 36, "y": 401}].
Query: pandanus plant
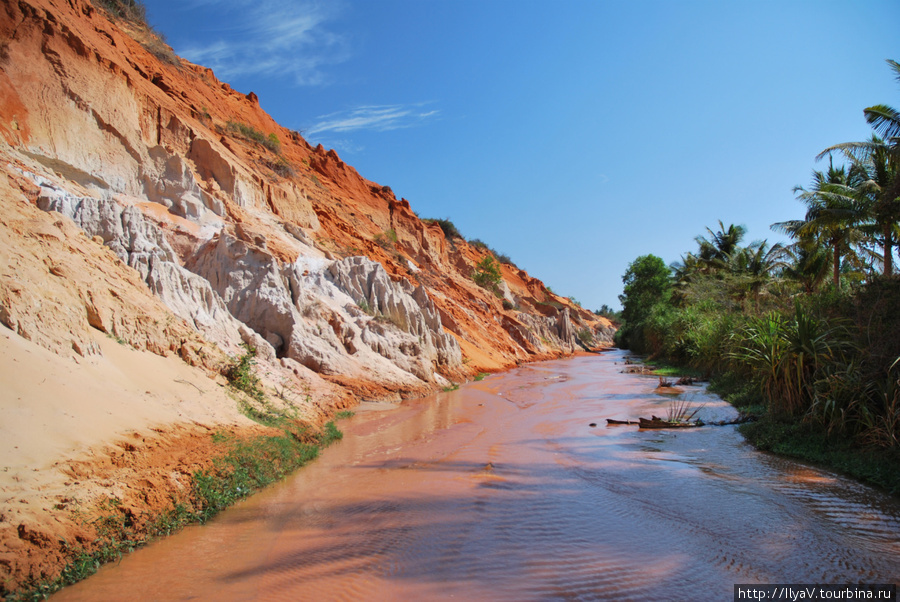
[{"x": 790, "y": 354}]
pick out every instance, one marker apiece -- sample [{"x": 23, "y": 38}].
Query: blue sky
[{"x": 571, "y": 135}]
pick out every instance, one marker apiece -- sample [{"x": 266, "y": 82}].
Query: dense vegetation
[{"x": 808, "y": 333}]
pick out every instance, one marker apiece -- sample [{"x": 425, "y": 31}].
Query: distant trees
[
  {"x": 647, "y": 284},
  {"x": 762, "y": 317}
]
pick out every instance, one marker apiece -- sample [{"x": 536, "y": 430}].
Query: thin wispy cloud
[
  {"x": 344, "y": 145},
  {"x": 290, "y": 40},
  {"x": 380, "y": 118}
]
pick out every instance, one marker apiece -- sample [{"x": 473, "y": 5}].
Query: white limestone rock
[{"x": 125, "y": 230}]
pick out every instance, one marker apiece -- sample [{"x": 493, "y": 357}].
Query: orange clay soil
[{"x": 143, "y": 474}]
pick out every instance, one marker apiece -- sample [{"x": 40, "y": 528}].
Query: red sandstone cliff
[
  {"x": 144, "y": 200},
  {"x": 200, "y": 174}
]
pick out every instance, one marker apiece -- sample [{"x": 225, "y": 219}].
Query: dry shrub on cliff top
[
  {"x": 449, "y": 228},
  {"x": 134, "y": 13},
  {"x": 129, "y": 10}
]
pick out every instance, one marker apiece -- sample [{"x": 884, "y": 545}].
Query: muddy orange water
[{"x": 503, "y": 490}]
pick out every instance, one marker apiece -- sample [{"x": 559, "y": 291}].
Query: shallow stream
[{"x": 503, "y": 491}]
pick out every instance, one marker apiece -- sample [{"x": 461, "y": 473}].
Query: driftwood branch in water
[{"x": 655, "y": 422}]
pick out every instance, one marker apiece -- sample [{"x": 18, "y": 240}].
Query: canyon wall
[
  {"x": 243, "y": 231},
  {"x": 156, "y": 225}
]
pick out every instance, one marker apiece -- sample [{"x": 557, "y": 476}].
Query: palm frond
[{"x": 884, "y": 119}]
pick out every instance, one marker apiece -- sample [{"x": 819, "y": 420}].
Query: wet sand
[{"x": 503, "y": 490}]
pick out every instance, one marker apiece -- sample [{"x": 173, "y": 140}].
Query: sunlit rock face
[{"x": 240, "y": 230}]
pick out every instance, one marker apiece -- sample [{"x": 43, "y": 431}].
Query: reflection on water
[{"x": 502, "y": 490}]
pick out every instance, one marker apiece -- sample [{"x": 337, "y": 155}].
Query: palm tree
[
  {"x": 833, "y": 214},
  {"x": 880, "y": 159},
  {"x": 809, "y": 266},
  {"x": 754, "y": 266},
  {"x": 759, "y": 260},
  {"x": 877, "y": 189},
  {"x": 716, "y": 251}
]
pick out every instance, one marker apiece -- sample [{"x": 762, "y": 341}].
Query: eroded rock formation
[
  {"x": 144, "y": 201},
  {"x": 284, "y": 247}
]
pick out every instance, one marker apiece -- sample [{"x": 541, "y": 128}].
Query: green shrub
[
  {"x": 364, "y": 305},
  {"x": 248, "y": 132},
  {"x": 449, "y": 229},
  {"x": 273, "y": 143},
  {"x": 792, "y": 355},
  {"x": 386, "y": 239},
  {"x": 487, "y": 273},
  {"x": 585, "y": 336},
  {"x": 240, "y": 375}
]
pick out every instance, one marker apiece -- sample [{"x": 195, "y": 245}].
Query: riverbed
[{"x": 503, "y": 490}]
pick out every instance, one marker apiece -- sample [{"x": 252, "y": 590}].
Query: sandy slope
[
  {"x": 53, "y": 407},
  {"x": 75, "y": 431}
]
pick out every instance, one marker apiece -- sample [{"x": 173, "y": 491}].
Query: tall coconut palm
[
  {"x": 880, "y": 159},
  {"x": 877, "y": 190},
  {"x": 756, "y": 264},
  {"x": 716, "y": 251},
  {"x": 833, "y": 214},
  {"x": 759, "y": 260}
]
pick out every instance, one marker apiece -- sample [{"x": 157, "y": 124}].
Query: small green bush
[
  {"x": 248, "y": 132},
  {"x": 487, "y": 273},
  {"x": 240, "y": 376},
  {"x": 364, "y": 305},
  {"x": 449, "y": 229},
  {"x": 386, "y": 239},
  {"x": 273, "y": 143}
]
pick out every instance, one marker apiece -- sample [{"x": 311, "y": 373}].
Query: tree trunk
[
  {"x": 888, "y": 251},
  {"x": 837, "y": 266}
]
